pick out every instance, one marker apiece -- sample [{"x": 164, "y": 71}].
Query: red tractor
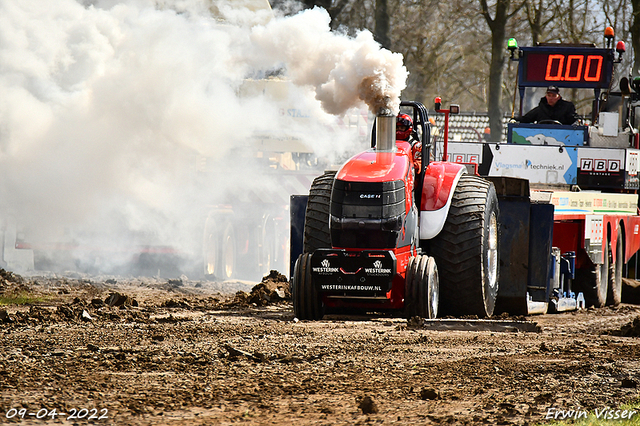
[{"x": 390, "y": 231}]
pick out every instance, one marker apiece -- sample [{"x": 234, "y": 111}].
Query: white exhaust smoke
[
  {"x": 342, "y": 70},
  {"x": 108, "y": 109}
]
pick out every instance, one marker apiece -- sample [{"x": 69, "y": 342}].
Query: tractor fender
[{"x": 439, "y": 184}]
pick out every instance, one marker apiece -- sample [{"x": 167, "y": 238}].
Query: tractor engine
[
  {"x": 368, "y": 214},
  {"x": 372, "y": 213},
  {"x": 372, "y": 196}
]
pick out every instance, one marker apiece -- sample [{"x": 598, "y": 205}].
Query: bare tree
[
  {"x": 578, "y": 21},
  {"x": 497, "y": 24},
  {"x": 441, "y": 50},
  {"x": 618, "y": 15},
  {"x": 382, "y": 24},
  {"x": 537, "y": 18},
  {"x": 635, "y": 36}
]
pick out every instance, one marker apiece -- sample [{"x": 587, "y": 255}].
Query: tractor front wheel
[
  {"x": 307, "y": 302},
  {"x": 422, "y": 288},
  {"x": 229, "y": 252},
  {"x": 467, "y": 252}
]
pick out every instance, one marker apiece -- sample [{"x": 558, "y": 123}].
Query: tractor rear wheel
[
  {"x": 422, "y": 288},
  {"x": 316, "y": 219},
  {"x": 219, "y": 249},
  {"x": 592, "y": 282},
  {"x": 466, "y": 250},
  {"x": 614, "y": 293},
  {"x": 211, "y": 249},
  {"x": 228, "y": 253},
  {"x": 307, "y": 303}
]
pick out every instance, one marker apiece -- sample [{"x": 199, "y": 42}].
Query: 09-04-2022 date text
[{"x": 70, "y": 414}]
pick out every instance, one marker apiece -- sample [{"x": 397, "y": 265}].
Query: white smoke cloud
[
  {"x": 108, "y": 109},
  {"x": 342, "y": 70}
]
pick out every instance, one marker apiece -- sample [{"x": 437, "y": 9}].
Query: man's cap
[{"x": 553, "y": 89}]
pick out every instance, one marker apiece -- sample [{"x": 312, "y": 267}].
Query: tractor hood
[
  {"x": 376, "y": 166},
  {"x": 388, "y": 161}
]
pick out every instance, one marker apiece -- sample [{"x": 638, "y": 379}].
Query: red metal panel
[
  {"x": 568, "y": 235},
  {"x": 438, "y": 183},
  {"x": 632, "y": 236},
  {"x": 374, "y": 166}
]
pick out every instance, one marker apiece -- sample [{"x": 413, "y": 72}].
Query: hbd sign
[{"x": 599, "y": 165}]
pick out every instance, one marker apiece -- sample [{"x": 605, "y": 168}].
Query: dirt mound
[
  {"x": 79, "y": 310},
  {"x": 10, "y": 282},
  {"x": 631, "y": 329},
  {"x": 10, "y": 277},
  {"x": 274, "y": 288}
]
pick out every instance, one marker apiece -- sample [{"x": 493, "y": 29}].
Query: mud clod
[
  {"x": 428, "y": 393},
  {"x": 273, "y": 289},
  {"x": 631, "y": 329},
  {"x": 117, "y": 299},
  {"x": 367, "y": 405}
]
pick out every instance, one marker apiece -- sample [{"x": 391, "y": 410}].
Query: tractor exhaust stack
[{"x": 386, "y": 131}]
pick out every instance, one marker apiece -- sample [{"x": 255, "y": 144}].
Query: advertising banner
[{"x": 601, "y": 167}]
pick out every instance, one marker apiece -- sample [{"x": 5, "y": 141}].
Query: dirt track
[{"x": 193, "y": 353}]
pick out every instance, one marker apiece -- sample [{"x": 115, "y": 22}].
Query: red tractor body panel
[
  {"x": 376, "y": 166},
  {"x": 439, "y": 183}
]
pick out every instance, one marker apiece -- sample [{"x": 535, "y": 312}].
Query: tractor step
[
  {"x": 563, "y": 304},
  {"x": 536, "y": 307}
]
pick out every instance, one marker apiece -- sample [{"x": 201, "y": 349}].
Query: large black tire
[
  {"x": 316, "y": 218},
  {"x": 433, "y": 288},
  {"x": 466, "y": 250},
  {"x": 422, "y": 288},
  {"x": 229, "y": 253},
  {"x": 307, "y": 303},
  {"x": 593, "y": 283},
  {"x": 211, "y": 249},
  {"x": 219, "y": 249},
  {"x": 614, "y": 292}
]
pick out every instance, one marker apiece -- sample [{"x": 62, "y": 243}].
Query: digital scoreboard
[{"x": 566, "y": 66}]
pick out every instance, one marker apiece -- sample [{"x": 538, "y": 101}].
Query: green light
[{"x": 512, "y": 43}]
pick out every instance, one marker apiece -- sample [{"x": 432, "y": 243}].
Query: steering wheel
[{"x": 549, "y": 122}]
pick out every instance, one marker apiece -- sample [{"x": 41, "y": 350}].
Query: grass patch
[
  {"x": 21, "y": 298},
  {"x": 607, "y": 416}
]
